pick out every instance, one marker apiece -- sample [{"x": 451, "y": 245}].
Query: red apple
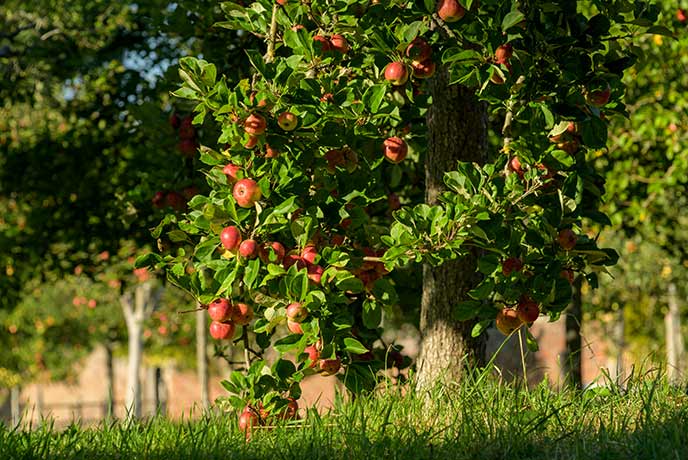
[
  {"x": 423, "y": 69},
  {"x": 220, "y": 310},
  {"x": 176, "y": 201},
  {"x": 309, "y": 254},
  {"x": 230, "y": 237},
  {"x": 395, "y": 149},
  {"x": 231, "y": 171},
  {"x": 315, "y": 273},
  {"x": 515, "y": 166},
  {"x": 242, "y": 314},
  {"x": 339, "y": 43},
  {"x": 329, "y": 366},
  {"x": 335, "y": 158},
  {"x": 321, "y": 44},
  {"x": 246, "y": 192},
  {"x": 255, "y": 124},
  {"x": 287, "y": 121},
  {"x": 510, "y": 265},
  {"x": 313, "y": 354},
  {"x": 221, "y": 331},
  {"x": 681, "y": 15},
  {"x": 598, "y": 97},
  {"x": 503, "y": 53},
  {"x": 158, "y": 200},
  {"x": 247, "y": 420},
  {"x": 528, "y": 310},
  {"x": 187, "y": 147},
  {"x": 567, "y": 274},
  {"x": 294, "y": 328},
  {"x": 396, "y": 73},
  {"x": 292, "y": 258},
  {"x": 296, "y": 312},
  {"x": 186, "y": 129},
  {"x": 291, "y": 411},
  {"x": 450, "y": 10},
  {"x": 251, "y": 143},
  {"x": 274, "y": 247},
  {"x": 567, "y": 239},
  {"x": 248, "y": 249},
  {"x": 418, "y": 50},
  {"x": 282, "y": 2},
  {"x": 270, "y": 152},
  {"x": 507, "y": 321}
]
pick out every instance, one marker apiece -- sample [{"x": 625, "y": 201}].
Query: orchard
[{"x": 371, "y": 137}]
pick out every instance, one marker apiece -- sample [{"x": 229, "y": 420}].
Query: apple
[
  {"x": 158, "y": 200},
  {"x": 321, "y": 44},
  {"x": 315, "y": 273},
  {"x": 334, "y": 158},
  {"x": 287, "y": 121},
  {"x": 510, "y": 265},
  {"x": 221, "y": 331},
  {"x": 567, "y": 239},
  {"x": 296, "y": 312},
  {"x": 248, "y": 249},
  {"x": 270, "y": 152},
  {"x": 294, "y": 328},
  {"x": 528, "y": 310},
  {"x": 255, "y": 124},
  {"x": 507, "y": 321},
  {"x": 242, "y": 314},
  {"x": 246, "y": 192},
  {"x": 230, "y": 237},
  {"x": 515, "y": 166},
  {"x": 186, "y": 129},
  {"x": 598, "y": 97},
  {"x": 174, "y": 121},
  {"x": 291, "y": 411},
  {"x": 329, "y": 366},
  {"x": 681, "y": 15},
  {"x": 418, "y": 50},
  {"x": 395, "y": 149},
  {"x": 231, "y": 171},
  {"x": 397, "y": 73},
  {"x": 248, "y": 419},
  {"x": 503, "y": 53},
  {"x": 292, "y": 258},
  {"x": 450, "y": 10},
  {"x": 423, "y": 69},
  {"x": 282, "y": 2},
  {"x": 567, "y": 274},
  {"x": 313, "y": 354},
  {"x": 220, "y": 310},
  {"x": 276, "y": 248},
  {"x": 309, "y": 254},
  {"x": 339, "y": 43},
  {"x": 176, "y": 201},
  {"x": 187, "y": 147},
  {"x": 251, "y": 142}
]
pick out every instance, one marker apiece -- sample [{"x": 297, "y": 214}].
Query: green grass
[{"x": 473, "y": 420}]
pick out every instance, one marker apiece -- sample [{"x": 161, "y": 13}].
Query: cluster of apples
[
  {"x": 226, "y": 317},
  {"x": 257, "y": 416},
  {"x": 335, "y": 42},
  {"x": 187, "y": 145},
  {"x": 419, "y": 52}
]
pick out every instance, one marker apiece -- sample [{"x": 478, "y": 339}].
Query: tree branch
[{"x": 270, "y": 55}]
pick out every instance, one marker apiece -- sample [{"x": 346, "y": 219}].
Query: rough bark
[
  {"x": 202, "y": 356},
  {"x": 572, "y": 358},
  {"x": 457, "y": 131},
  {"x": 674, "y": 340}
]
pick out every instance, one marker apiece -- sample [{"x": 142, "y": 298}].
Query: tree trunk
[
  {"x": 15, "y": 407},
  {"x": 573, "y": 372},
  {"x": 109, "y": 381},
  {"x": 136, "y": 310},
  {"x": 674, "y": 340},
  {"x": 457, "y": 131},
  {"x": 619, "y": 346},
  {"x": 202, "y": 356}
]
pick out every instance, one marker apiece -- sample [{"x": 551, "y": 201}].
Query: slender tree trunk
[
  {"x": 573, "y": 372},
  {"x": 136, "y": 308},
  {"x": 674, "y": 340},
  {"x": 619, "y": 345},
  {"x": 457, "y": 131},
  {"x": 109, "y": 381},
  {"x": 15, "y": 407},
  {"x": 202, "y": 356}
]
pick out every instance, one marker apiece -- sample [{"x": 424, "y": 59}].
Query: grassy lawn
[{"x": 474, "y": 420}]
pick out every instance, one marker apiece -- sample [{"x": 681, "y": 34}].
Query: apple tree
[{"x": 295, "y": 248}]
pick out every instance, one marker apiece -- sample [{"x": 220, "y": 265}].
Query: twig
[
  {"x": 270, "y": 55},
  {"x": 202, "y": 307}
]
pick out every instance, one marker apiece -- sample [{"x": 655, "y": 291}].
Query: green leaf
[
  {"x": 372, "y": 314},
  {"x": 354, "y": 346},
  {"x": 467, "y": 309},
  {"x": 147, "y": 260},
  {"x": 373, "y": 96},
  {"x": 480, "y": 327},
  {"x": 483, "y": 290},
  {"x": 488, "y": 264},
  {"x": 511, "y": 19}
]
